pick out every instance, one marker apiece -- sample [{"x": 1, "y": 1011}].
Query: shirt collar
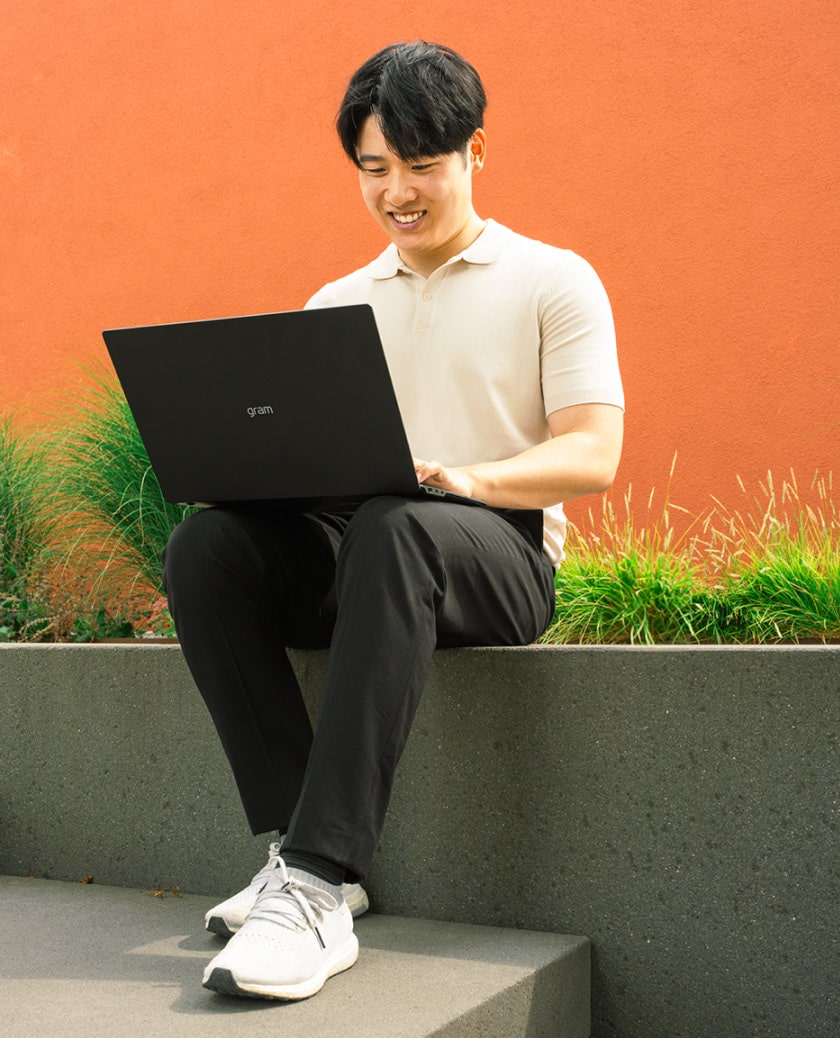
[{"x": 485, "y": 249}]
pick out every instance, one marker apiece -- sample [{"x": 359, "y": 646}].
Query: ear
[{"x": 477, "y": 149}]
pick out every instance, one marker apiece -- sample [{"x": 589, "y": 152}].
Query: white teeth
[{"x": 407, "y": 217}]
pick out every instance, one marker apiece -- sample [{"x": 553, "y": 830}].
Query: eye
[
  {"x": 377, "y": 171},
  {"x": 423, "y": 167}
]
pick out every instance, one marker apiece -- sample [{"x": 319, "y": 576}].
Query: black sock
[{"x": 323, "y": 868}]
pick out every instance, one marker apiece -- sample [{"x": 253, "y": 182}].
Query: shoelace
[
  {"x": 265, "y": 872},
  {"x": 291, "y": 903}
]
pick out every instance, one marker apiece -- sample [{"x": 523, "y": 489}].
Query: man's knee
[
  {"x": 387, "y": 519},
  {"x": 389, "y": 536},
  {"x": 209, "y": 538}
]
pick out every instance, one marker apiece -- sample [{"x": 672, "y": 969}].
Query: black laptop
[{"x": 296, "y": 407}]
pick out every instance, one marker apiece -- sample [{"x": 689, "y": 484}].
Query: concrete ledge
[
  {"x": 677, "y": 805},
  {"x": 120, "y": 962}
]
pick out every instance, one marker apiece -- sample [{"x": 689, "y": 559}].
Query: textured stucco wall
[{"x": 169, "y": 161}]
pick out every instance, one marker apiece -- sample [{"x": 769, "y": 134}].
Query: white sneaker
[
  {"x": 229, "y": 916},
  {"x": 296, "y": 937}
]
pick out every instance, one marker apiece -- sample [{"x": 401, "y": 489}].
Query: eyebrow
[{"x": 381, "y": 158}]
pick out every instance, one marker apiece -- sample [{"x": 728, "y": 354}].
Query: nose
[{"x": 400, "y": 188}]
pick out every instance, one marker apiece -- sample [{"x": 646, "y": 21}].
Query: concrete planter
[{"x": 679, "y": 806}]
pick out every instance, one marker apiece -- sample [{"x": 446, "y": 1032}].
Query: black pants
[{"x": 383, "y": 586}]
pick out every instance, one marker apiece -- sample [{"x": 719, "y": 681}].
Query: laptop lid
[{"x": 286, "y": 406}]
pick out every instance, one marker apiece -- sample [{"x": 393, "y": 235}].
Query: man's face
[{"x": 425, "y": 205}]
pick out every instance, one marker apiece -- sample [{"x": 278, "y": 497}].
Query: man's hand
[{"x": 436, "y": 475}]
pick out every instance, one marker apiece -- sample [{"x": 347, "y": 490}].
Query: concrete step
[{"x": 83, "y": 959}]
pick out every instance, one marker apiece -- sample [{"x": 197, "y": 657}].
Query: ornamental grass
[
  {"x": 107, "y": 491},
  {"x": 767, "y": 571},
  {"x": 25, "y": 528},
  {"x": 83, "y": 524}
]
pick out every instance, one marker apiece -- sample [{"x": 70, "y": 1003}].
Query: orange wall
[{"x": 174, "y": 160}]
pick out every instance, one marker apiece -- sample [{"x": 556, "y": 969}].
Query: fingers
[{"x": 427, "y": 470}]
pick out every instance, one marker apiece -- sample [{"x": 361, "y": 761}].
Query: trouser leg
[
  {"x": 243, "y": 584},
  {"x": 412, "y": 575}
]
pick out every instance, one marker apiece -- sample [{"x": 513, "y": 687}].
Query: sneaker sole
[
  {"x": 225, "y": 983},
  {"x": 358, "y": 902},
  {"x": 215, "y": 924}
]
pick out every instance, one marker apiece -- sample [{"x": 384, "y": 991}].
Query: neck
[{"x": 426, "y": 264}]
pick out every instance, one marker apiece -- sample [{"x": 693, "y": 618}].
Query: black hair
[{"x": 427, "y": 100}]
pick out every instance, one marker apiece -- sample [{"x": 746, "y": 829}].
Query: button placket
[{"x": 427, "y": 301}]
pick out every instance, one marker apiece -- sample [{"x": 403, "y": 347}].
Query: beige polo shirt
[{"x": 486, "y": 348}]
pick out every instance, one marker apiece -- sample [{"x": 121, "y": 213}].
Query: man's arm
[{"x": 581, "y": 457}]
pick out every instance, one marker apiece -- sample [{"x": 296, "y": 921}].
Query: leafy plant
[
  {"x": 626, "y": 582},
  {"x": 109, "y": 495},
  {"x": 83, "y": 524},
  {"x": 778, "y": 563},
  {"x": 767, "y": 573},
  {"x": 24, "y": 530}
]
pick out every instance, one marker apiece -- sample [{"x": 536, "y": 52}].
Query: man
[{"x": 502, "y": 353}]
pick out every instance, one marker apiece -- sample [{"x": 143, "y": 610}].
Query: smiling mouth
[{"x": 408, "y": 219}]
